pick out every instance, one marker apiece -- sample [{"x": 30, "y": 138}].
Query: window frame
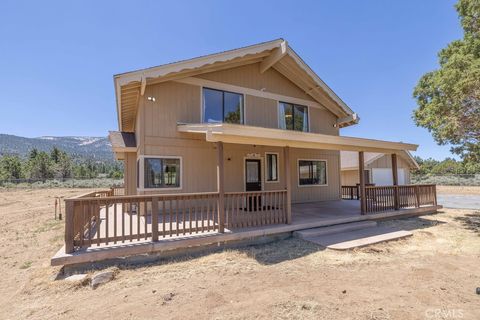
[
  {"x": 142, "y": 158},
  {"x": 202, "y": 105},
  {"x": 280, "y": 105},
  {"x": 312, "y": 185},
  {"x": 266, "y": 167}
]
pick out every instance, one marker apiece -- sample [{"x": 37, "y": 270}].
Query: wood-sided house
[{"x": 232, "y": 145}]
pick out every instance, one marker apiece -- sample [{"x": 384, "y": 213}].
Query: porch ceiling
[{"x": 241, "y": 134}]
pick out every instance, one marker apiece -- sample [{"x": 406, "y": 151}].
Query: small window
[
  {"x": 162, "y": 172},
  {"x": 312, "y": 172},
  {"x": 222, "y": 106},
  {"x": 293, "y": 117},
  {"x": 272, "y": 167}
]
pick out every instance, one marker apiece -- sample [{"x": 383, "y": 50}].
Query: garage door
[{"x": 384, "y": 177}]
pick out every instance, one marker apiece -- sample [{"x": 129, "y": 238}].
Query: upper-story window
[
  {"x": 293, "y": 117},
  {"x": 222, "y": 106}
]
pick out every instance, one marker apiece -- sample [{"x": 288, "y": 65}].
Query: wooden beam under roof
[{"x": 276, "y": 55}]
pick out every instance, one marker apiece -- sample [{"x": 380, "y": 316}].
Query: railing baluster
[
  {"x": 114, "y": 222},
  {"x": 163, "y": 218}
]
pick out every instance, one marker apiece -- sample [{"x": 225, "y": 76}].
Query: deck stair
[{"x": 351, "y": 235}]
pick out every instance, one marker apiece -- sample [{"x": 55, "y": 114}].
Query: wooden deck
[{"x": 304, "y": 216}]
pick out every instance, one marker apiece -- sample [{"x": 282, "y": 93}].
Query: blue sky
[{"x": 57, "y": 59}]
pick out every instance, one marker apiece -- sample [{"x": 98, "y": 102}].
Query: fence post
[
  {"x": 417, "y": 196},
  {"x": 69, "y": 228},
  {"x": 155, "y": 219}
]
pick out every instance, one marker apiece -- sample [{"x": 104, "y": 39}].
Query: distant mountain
[{"x": 95, "y": 148}]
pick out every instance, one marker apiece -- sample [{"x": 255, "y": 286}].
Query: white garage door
[{"x": 384, "y": 177}]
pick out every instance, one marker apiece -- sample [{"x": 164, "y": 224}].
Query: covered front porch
[
  {"x": 117, "y": 225},
  {"x": 117, "y": 232}
]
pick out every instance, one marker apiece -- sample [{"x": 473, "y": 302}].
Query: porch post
[
  {"x": 361, "y": 174},
  {"x": 220, "y": 187},
  {"x": 288, "y": 184},
  {"x": 395, "y": 180}
]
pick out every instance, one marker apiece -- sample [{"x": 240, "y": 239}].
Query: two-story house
[{"x": 247, "y": 138}]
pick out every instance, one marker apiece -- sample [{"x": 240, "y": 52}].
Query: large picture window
[
  {"x": 222, "y": 106},
  {"x": 162, "y": 172},
  {"x": 293, "y": 117},
  {"x": 312, "y": 172},
  {"x": 272, "y": 167}
]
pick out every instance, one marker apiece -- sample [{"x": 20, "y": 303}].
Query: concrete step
[
  {"x": 315, "y": 232},
  {"x": 358, "y": 238}
]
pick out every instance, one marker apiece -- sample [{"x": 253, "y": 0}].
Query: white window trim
[
  {"x": 142, "y": 173},
  {"x": 202, "y": 106},
  {"x": 262, "y": 167},
  {"x": 293, "y": 104},
  {"x": 311, "y": 185},
  {"x": 266, "y": 167}
]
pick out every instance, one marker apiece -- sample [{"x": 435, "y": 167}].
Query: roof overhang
[
  {"x": 277, "y": 54},
  {"x": 122, "y": 142},
  {"x": 241, "y": 134}
]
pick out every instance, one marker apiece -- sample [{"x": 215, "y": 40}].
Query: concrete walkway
[{"x": 459, "y": 201}]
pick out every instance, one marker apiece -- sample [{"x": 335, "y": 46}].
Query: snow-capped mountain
[{"x": 95, "y": 148}]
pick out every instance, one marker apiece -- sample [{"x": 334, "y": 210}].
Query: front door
[
  {"x": 253, "y": 182},
  {"x": 253, "y": 175}
]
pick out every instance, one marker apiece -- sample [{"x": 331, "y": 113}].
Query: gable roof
[
  {"x": 277, "y": 54},
  {"x": 349, "y": 159}
]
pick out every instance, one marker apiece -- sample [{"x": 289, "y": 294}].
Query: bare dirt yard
[{"x": 432, "y": 275}]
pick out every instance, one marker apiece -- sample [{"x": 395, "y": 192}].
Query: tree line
[
  {"x": 56, "y": 164},
  {"x": 448, "y": 166}
]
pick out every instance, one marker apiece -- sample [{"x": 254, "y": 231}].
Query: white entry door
[{"x": 384, "y": 176}]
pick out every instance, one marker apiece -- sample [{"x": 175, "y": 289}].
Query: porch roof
[
  {"x": 242, "y": 134},
  {"x": 122, "y": 141}
]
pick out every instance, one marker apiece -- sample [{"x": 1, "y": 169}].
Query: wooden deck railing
[
  {"x": 383, "y": 198},
  {"x": 96, "y": 220},
  {"x": 350, "y": 192},
  {"x": 251, "y": 209},
  {"x": 101, "y": 218},
  {"x": 117, "y": 191}
]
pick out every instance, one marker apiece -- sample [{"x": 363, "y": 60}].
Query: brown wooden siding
[
  {"x": 199, "y": 168},
  {"x": 261, "y": 112},
  {"x": 174, "y": 102},
  {"x": 322, "y": 121},
  {"x": 249, "y": 76},
  {"x": 130, "y": 173},
  {"x": 316, "y": 193}
]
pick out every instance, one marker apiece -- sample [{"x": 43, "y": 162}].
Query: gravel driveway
[{"x": 459, "y": 201}]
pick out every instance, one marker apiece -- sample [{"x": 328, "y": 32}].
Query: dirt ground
[
  {"x": 458, "y": 190},
  {"x": 432, "y": 275}
]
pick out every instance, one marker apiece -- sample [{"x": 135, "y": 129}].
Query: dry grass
[
  {"x": 436, "y": 269},
  {"x": 458, "y": 190}
]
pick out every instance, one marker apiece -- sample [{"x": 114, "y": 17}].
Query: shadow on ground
[
  {"x": 270, "y": 253},
  {"x": 470, "y": 221}
]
